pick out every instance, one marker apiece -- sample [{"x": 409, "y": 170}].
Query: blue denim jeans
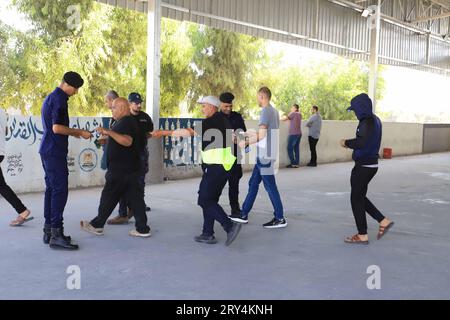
[
  {"x": 294, "y": 149},
  {"x": 258, "y": 175}
]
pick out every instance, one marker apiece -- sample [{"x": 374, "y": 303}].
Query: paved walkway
[{"x": 307, "y": 260}]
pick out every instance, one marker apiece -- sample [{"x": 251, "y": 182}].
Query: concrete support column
[
  {"x": 156, "y": 167},
  {"x": 375, "y": 25}
]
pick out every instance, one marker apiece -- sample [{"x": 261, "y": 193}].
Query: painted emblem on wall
[{"x": 88, "y": 159}]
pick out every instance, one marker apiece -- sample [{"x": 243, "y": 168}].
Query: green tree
[
  {"x": 108, "y": 49},
  {"x": 43, "y": 65},
  {"x": 55, "y": 19},
  {"x": 225, "y": 61},
  {"x": 330, "y": 85},
  {"x": 292, "y": 88},
  {"x": 176, "y": 73}
]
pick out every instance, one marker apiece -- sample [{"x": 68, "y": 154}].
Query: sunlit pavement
[{"x": 307, "y": 260}]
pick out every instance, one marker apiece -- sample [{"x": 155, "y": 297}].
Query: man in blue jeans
[
  {"x": 295, "y": 135},
  {"x": 267, "y": 148}
]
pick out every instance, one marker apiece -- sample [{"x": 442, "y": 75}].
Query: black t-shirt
[
  {"x": 123, "y": 159},
  {"x": 145, "y": 126},
  {"x": 214, "y": 132}
]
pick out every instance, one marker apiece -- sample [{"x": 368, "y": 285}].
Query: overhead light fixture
[{"x": 367, "y": 13}]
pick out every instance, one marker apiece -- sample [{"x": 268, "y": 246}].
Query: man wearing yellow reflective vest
[{"x": 217, "y": 161}]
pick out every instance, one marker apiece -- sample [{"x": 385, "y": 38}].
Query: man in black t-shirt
[
  {"x": 145, "y": 125},
  {"x": 122, "y": 177}
]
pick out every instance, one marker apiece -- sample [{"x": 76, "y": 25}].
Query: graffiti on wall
[
  {"x": 28, "y": 130},
  {"x": 88, "y": 125},
  {"x": 14, "y": 164}
]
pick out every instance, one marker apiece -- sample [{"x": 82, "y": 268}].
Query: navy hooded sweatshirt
[{"x": 366, "y": 145}]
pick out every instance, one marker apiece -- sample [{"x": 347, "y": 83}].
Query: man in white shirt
[{"x": 5, "y": 190}]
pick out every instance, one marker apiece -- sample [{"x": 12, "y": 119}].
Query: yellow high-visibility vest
[{"x": 223, "y": 156}]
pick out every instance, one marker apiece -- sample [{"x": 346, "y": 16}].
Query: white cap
[{"x": 210, "y": 100}]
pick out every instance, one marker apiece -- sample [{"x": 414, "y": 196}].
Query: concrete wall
[
  {"x": 23, "y": 170},
  {"x": 403, "y": 138},
  {"x": 22, "y": 166},
  {"x": 436, "y": 138}
]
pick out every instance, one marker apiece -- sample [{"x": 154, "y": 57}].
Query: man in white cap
[{"x": 217, "y": 161}]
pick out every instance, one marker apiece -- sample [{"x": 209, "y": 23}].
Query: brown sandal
[
  {"x": 20, "y": 220},
  {"x": 383, "y": 230},
  {"x": 355, "y": 240}
]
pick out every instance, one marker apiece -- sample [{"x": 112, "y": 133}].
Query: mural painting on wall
[{"x": 180, "y": 152}]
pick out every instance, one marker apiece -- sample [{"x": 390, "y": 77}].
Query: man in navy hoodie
[{"x": 365, "y": 147}]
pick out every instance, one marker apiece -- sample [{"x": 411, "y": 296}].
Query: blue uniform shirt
[{"x": 55, "y": 111}]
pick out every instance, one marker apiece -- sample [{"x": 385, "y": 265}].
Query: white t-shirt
[{"x": 3, "y": 124}]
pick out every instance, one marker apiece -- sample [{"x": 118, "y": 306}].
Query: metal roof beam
[
  {"x": 439, "y": 16},
  {"x": 443, "y": 4}
]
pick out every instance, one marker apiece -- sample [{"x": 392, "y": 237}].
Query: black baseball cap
[{"x": 135, "y": 97}]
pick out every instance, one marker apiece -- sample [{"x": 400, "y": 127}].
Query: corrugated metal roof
[{"x": 330, "y": 25}]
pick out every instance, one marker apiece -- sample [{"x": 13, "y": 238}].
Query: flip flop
[
  {"x": 383, "y": 230},
  {"x": 20, "y": 221}
]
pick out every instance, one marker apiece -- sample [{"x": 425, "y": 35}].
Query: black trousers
[
  {"x": 9, "y": 194},
  {"x": 233, "y": 187},
  {"x": 123, "y": 203},
  {"x": 360, "y": 178},
  {"x": 116, "y": 187},
  {"x": 312, "y": 147}
]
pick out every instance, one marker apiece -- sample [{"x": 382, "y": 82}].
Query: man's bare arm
[
  {"x": 253, "y": 137},
  {"x": 122, "y": 139},
  {"x": 66, "y": 131},
  {"x": 189, "y": 132}
]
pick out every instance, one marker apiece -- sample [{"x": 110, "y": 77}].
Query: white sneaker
[
  {"x": 87, "y": 226},
  {"x": 135, "y": 233}
]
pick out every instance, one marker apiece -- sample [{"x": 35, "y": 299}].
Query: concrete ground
[{"x": 307, "y": 260}]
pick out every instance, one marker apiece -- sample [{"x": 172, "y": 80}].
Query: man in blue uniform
[
  {"x": 53, "y": 151},
  {"x": 237, "y": 123}
]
